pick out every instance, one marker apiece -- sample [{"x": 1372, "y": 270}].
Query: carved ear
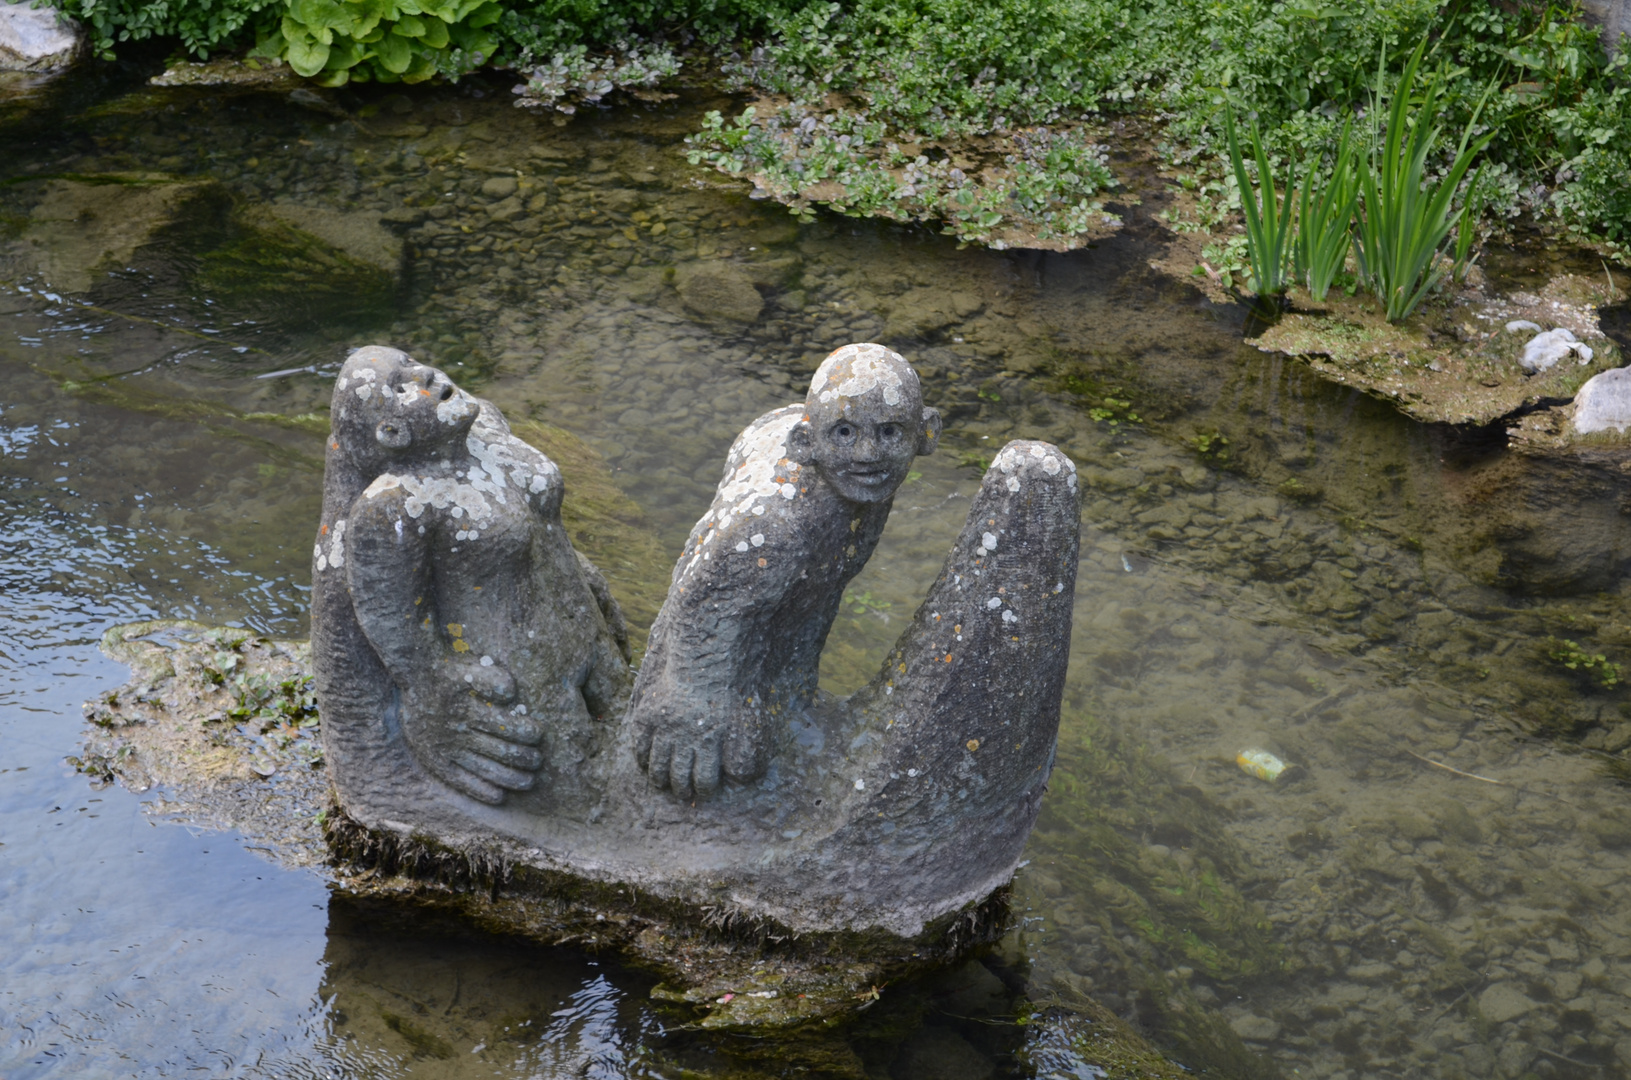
[
  {"x": 929, "y": 437},
  {"x": 393, "y": 434},
  {"x": 801, "y": 443}
]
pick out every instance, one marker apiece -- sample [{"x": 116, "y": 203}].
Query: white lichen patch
[
  {"x": 335, "y": 555},
  {"x": 855, "y": 370},
  {"x": 455, "y": 408}
]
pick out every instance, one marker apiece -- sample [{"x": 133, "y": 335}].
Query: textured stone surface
[
  {"x": 889, "y": 811},
  {"x": 1615, "y": 17},
  {"x": 37, "y": 39},
  {"x": 1604, "y": 403}
]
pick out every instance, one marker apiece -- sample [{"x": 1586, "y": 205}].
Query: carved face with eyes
[
  {"x": 403, "y": 404},
  {"x": 864, "y": 422}
]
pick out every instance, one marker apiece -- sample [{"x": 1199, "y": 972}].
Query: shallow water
[{"x": 1268, "y": 563}]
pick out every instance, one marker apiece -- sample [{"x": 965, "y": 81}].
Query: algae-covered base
[
  {"x": 224, "y": 723},
  {"x": 1454, "y": 361}
]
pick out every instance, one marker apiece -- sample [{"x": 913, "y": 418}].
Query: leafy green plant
[
  {"x": 338, "y": 41},
  {"x": 1268, "y": 227},
  {"x": 1325, "y": 212},
  {"x": 1406, "y": 217},
  {"x": 1599, "y": 667}
]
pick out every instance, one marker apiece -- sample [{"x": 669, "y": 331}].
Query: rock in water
[
  {"x": 474, "y": 697},
  {"x": 37, "y": 39},
  {"x": 1604, "y": 402},
  {"x": 720, "y": 291}
]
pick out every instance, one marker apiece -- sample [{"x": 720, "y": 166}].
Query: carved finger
[
  {"x": 491, "y": 771},
  {"x": 706, "y": 770},
  {"x": 742, "y": 756},
  {"x": 526, "y": 758},
  {"x": 511, "y": 728},
  {"x": 475, "y": 787},
  {"x": 662, "y": 753},
  {"x": 679, "y": 773}
]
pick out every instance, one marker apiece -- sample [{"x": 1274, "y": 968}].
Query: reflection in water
[
  {"x": 406, "y": 995},
  {"x": 1435, "y": 888}
]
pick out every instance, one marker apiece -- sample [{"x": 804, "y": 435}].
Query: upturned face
[
  {"x": 396, "y": 405},
  {"x": 863, "y": 447}
]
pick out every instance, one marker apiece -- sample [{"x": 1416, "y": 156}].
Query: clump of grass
[
  {"x": 1325, "y": 212},
  {"x": 1406, "y": 218},
  {"x": 1268, "y": 227}
]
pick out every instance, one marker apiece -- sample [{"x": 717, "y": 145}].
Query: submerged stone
[
  {"x": 720, "y": 291},
  {"x": 82, "y": 226}
]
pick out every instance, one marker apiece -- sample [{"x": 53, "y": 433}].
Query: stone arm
[
  {"x": 453, "y": 707},
  {"x": 700, "y": 711}
]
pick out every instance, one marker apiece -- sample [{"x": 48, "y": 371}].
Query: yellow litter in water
[{"x": 1261, "y": 764}]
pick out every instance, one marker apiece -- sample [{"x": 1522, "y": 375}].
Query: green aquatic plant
[
  {"x": 1406, "y": 217},
  {"x": 1603, "y": 671},
  {"x": 1268, "y": 226},
  {"x": 1325, "y": 212}
]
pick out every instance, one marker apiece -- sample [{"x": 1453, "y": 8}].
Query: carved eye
[
  {"x": 890, "y": 431},
  {"x": 844, "y": 431}
]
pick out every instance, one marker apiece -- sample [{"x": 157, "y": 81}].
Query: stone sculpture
[
  {"x": 805, "y": 495},
  {"x": 473, "y": 693}
]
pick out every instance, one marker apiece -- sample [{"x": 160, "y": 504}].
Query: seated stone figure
[
  {"x": 737, "y": 646},
  {"x": 448, "y": 604}
]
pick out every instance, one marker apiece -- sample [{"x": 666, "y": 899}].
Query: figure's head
[
  {"x": 864, "y": 422},
  {"x": 387, "y": 405}
]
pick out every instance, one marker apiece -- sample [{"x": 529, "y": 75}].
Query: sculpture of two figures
[{"x": 475, "y": 687}]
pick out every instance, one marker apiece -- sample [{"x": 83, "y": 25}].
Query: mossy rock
[{"x": 1453, "y": 361}]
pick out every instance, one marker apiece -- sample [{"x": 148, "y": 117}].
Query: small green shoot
[{"x": 1268, "y": 227}]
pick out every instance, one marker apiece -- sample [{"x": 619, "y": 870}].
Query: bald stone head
[
  {"x": 864, "y": 421},
  {"x": 388, "y": 406}
]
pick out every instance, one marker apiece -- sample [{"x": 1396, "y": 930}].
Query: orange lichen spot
[
  {"x": 764, "y": 562},
  {"x": 973, "y": 745},
  {"x": 460, "y": 646},
  {"x": 456, "y": 629},
  {"x": 425, "y": 393},
  {"x": 418, "y": 600},
  {"x": 948, "y": 658},
  {"x": 325, "y": 530},
  {"x": 903, "y": 669},
  {"x": 958, "y": 629},
  {"x": 334, "y": 446},
  {"x": 478, "y": 588}
]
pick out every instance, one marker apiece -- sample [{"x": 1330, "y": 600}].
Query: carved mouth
[{"x": 870, "y": 478}]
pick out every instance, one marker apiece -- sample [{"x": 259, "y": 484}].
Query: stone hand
[
  {"x": 493, "y": 753},
  {"x": 692, "y": 758}
]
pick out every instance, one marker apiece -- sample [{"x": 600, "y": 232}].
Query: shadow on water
[{"x": 1408, "y": 616}]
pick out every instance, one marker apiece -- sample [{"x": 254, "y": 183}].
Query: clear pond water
[{"x": 1436, "y": 888}]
